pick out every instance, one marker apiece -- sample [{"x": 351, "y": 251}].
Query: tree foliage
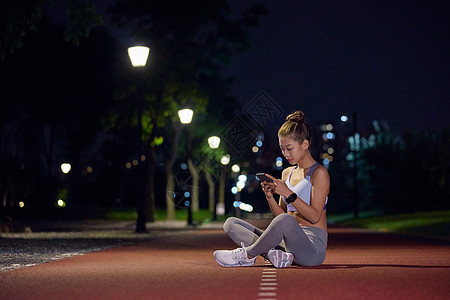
[{"x": 19, "y": 17}]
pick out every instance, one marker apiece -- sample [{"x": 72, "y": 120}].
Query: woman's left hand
[{"x": 279, "y": 186}]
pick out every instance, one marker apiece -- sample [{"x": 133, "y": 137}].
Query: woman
[{"x": 298, "y": 233}]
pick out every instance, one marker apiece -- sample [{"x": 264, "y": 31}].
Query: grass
[
  {"x": 201, "y": 216},
  {"x": 434, "y": 224}
]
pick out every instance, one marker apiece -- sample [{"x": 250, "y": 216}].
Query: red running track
[{"x": 359, "y": 265}]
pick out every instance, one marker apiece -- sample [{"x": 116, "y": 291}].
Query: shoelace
[{"x": 240, "y": 253}]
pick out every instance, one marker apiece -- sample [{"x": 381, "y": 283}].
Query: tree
[
  {"x": 191, "y": 43},
  {"x": 19, "y": 17},
  {"x": 57, "y": 116}
]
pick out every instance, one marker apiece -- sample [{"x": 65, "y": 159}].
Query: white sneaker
[
  {"x": 234, "y": 258},
  {"x": 280, "y": 259}
]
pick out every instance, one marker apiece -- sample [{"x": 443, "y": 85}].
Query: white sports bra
[{"x": 302, "y": 189}]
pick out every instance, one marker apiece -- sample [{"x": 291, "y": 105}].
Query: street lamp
[
  {"x": 138, "y": 56},
  {"x": 354, "y": 147},
  {"x": 65, "y": 168},
  {"x": 185, "y": 116},
  {"x": 214, "y": 142}
]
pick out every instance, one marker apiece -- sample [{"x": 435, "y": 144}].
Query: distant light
[
  {"x": 135, "y": 162},
  {"x": 187, "y": 194},
  {"x": 242, "y": 178},
  {"x": 330, "y": 150},
  {"x": 255, "y": 149},
  {"x": 344, "y": 118},
  {"x": 259, "y": 143},
  {"x": 128, "y": 165},
  {"x": 143, "y": 158},
  {"x": 214, "y": 142},
  {"x": 187, "y": 203},
  {"x": 138, "y": 55},
  {"x": 326, "y": 161},
  {"x": 235, "y": 168},
  {"x": 225, "y": 160},
  {"x": 89, "y": 169},
  {"x": 246, "y": 207},
  {"x": 236, "y": 203},
  {"x": 330, "y": 135},
  {"x": 183, "y": 166},
  {"x": 220, "y": 209},
  {"x": 234, "y": 190},
  {"x": 240, "y": 185},
  {"x": 21, "y": 204},
  {"x": 279, "y": 163},
  {"x": 65, "y": 168},
  {"x": 61, "y": 203},
  {"x": 329, "y": 127},
  {"x": 185, "y": 115}
]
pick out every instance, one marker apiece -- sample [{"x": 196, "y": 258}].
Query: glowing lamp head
[
  {"x": 185, "y": 115},
  {"x": 214, "y": 142},
  {"x": 235, "y": 168},
  {"x": 225, "y": 160},
  {"x": 65, "y": 168},
  {"x": 138, "y": 55}
]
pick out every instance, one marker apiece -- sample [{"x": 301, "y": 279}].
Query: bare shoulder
[
  {"x": 320, "y": 173},
  {"x": 286, "y": 173}
]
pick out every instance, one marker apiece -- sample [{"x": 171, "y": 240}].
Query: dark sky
[{"x": 386, "y": 60}]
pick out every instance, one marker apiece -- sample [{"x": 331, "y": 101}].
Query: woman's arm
[
  {"x": 320, "y": 187},
  {"x": 320, "y": 181},
  {"x": 269, "y": 189}
]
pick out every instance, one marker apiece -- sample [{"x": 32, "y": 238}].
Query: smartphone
[{"x": 263, "y": 177}]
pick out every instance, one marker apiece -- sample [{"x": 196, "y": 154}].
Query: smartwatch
[{"x": 292, "y": 197}]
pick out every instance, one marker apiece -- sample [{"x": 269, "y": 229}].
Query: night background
[{"x": 69, "y": 94}]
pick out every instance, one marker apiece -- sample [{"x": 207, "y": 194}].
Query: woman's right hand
[{"x": 268, "y": 189}]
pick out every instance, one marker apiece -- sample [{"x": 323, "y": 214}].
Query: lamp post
[
  {"x": 355, "y": 150},
  {"x": 138, "y": 56},
  {"x": 214, "y": 143},
  {"x": 185, "y": 116}
]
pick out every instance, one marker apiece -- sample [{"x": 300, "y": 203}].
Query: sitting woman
[{"x": 298, "y": 233}]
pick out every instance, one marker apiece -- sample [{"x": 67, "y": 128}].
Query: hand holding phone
[{"x": 263, "y": 177}]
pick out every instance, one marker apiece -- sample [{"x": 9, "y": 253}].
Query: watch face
[{"x": 292, "y": 197}]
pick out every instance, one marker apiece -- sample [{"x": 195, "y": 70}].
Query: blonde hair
[{"x": 296, "y": 128}]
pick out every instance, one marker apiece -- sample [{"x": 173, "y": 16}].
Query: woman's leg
[
  {"x": 308, "y": 247},
  {"x": 241, "y": 231}
]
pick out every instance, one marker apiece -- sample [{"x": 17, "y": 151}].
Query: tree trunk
[
  {"x": 150, "y": 185},
  {"x": 170, "y": 188},
  {"x": 222, "y": 180},
  {"x": 195, "y": 184},
  {"x": 211, "y": 191}
]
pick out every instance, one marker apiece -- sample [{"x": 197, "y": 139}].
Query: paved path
[{"x": 359, "y": 265}]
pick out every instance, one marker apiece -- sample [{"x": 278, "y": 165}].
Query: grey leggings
[{"x": 307, "y": 243}]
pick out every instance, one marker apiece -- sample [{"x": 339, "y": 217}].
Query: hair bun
[{"x": 297, "y": 116}]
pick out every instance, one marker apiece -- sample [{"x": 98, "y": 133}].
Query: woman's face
[{"x": 293, "y": 150}]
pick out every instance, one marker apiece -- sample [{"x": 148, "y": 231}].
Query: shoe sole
[
  {"x": 280, "y": 259},
  {"x": 232, "y": 266}
]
